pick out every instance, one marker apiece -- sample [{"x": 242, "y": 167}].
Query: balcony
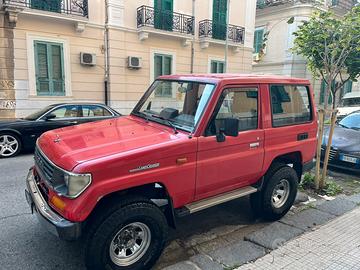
[
  {"x": 260, "y": 4},
  {"x": 68, "y": 7},
  {"x": 164, "y": 23},
  {"x": 216, "y": 33}
]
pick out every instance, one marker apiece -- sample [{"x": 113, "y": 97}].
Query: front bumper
[
  {"x": 336, "y": 162},
  {"x": 54, "y": 223}
]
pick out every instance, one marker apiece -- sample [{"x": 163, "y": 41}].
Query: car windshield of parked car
[
  {"x": 39, "y": 113},
  {"x": 350, "y": 102},
  {"x": 179, "y": 104},
  {"x": 351, "y": 121}
]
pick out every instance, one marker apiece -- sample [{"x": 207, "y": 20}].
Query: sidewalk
[{"x": 335, "y": 245}]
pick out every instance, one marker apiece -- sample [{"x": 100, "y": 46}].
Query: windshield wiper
[
  {"x": 343, "y": 126},
  {"x": 167, "y": 121}
]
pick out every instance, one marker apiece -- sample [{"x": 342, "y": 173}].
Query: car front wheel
[
  {"x": 10, "y": 145},
  {"x": 132, "y": 237}
]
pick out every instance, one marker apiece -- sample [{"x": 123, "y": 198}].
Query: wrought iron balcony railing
[
  {"x": 218, "y": 31},
  {"x": 345, "y": 4},
  {"x": 165, "y": 20},
  {"x": 71, "y": 7}
]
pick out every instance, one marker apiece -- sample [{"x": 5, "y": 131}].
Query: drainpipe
[
  {"x": 193, "y": 41},
  {"x": 106, "y": 44},
  {"x": 226, "y": 35}
]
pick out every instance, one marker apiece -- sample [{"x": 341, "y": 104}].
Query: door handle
[
  {"x": 254, "y": 145},
  {"x": 302, "y": 136},
  {"x": 73, "y": 122}
]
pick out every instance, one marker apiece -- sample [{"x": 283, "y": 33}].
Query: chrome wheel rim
[
  {"x": 280, "y": 194},
  {"x": 8, "y": 145},
  {"x": 130, "y": 244}
]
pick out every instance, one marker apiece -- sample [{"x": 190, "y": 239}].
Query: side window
[
  {"x": 240, "y": 103},
  {"x": 290, "y": 105},
  {"x": 69, "y": 111},
  {"x": 94, "y": 111}
]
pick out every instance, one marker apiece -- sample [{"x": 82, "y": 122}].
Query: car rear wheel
[
  {"x": 278, "y": 194},
  {"x": 10, "y": 145},
  {"x": 131, "y": 237}
]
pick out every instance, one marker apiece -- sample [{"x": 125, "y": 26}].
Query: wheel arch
[
  {"x": 292, "y": 158},
  {"x": 156, "y": 192}
]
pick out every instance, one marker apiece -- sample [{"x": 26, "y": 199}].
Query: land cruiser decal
[{"x": 146, "y": 167}]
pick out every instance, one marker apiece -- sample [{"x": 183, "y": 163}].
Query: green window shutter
[
  {"x": 163, "y": 66},
  {"x": 217, "y": 67},
  {"x": 348, "y": 87},
  {"x": 322, "y": 91},
  {"x": 163, "y": 14},
  {"x": 49, "y": 65},
  {"x": 334, "y": 2},
  {"x": 219, "y": 19},
  {"x": 258, "y": 40}
]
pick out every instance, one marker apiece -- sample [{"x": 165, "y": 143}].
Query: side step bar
[{"x": 212, "y": 201}]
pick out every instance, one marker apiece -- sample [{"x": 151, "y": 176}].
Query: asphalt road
[{"x": 25, "y": 245}]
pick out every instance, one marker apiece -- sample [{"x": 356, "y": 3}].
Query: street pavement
[{"x": 334, "y": 246}]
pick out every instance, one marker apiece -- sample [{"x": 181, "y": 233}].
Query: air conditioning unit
[
  {"x": 134, "y": 62},
  {"x": 88, "y": 59}
]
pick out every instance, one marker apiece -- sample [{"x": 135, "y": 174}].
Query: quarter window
[
  {"x": 290, "y": 105},
  {"x": 49, "y": 64},
  {"x": 94, "y": 111},
  {"x": 239, "y": 103}
]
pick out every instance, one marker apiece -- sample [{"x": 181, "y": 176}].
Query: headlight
[
  {"x": 69, "y": 184},
  {"x": 76, "y": 184}
]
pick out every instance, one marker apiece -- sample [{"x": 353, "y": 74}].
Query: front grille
[
  {"x": 333, "y": 153},
  {"x": 46, "y": 169}
]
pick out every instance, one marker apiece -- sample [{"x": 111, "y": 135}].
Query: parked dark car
[
  {"x": 345, "y": 147},
  {"x": 21, "y": 134}
]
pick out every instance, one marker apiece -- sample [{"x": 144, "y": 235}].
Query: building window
[
  {"x": 163, "y": 66},
  {"x": 49, "y": 68},
  {"x": 217, "y": 66},
  {"x": 290, "y": 105},
  {"x": 163, "y": 14},
  {"x": 334, "y": 2},
  {"x": 258, "y": 39},
  {"x": 219, "y": 19}
]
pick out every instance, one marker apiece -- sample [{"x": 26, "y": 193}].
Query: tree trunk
[
  {"x": 321, "y": 115},
  {"x": 322, "y": 183}
]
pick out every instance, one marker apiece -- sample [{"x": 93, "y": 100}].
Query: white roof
[{"x": 351, "y": 95}]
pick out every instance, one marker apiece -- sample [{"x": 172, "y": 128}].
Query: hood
[
  {"x": 4, "y": 123},
  {"x": 342, "y": 111},
  {"x": 344, "y": 139},
  {"x": 70, "y": 146}
]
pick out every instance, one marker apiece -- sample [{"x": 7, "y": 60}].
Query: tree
[{"x": 331, "y": 47}]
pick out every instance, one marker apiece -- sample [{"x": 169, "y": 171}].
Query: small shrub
[
  {"x": 308, "y": 181},
  {"x": 332, "y": 188}
]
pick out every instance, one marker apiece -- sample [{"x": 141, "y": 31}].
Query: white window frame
[{"x": 30, "y": 39}]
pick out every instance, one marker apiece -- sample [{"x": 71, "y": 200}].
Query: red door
[{"x": 237, "y": 162}]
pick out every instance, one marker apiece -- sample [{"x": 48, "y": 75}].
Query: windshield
[
  {"x": 350, "y": 102},
  {"x": 179, "y": 104},
  {"x": 37, "y": 114},
  {"x": 351, "y": 121}
]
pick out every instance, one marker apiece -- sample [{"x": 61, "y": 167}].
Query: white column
[{"x": 250, "y": 23}]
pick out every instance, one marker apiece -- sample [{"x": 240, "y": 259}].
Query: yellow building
[{"x": 109, "y": 51}]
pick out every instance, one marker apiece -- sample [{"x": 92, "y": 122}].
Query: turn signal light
[{"x": 58, "y": 203}]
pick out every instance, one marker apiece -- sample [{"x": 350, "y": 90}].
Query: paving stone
[
  {"x": 185, "y": 265},
  {"x": 307, "y": 219},
  {"x": 238, "y": 253},
  {"x": 354, "y": 198},
  {"x": 274, "y": 235},
  {"x": 205, "y": 262},
  {"x": 337, "y": 207}
]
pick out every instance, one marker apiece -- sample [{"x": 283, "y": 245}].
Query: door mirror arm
[{"x": 220, "y": 136}]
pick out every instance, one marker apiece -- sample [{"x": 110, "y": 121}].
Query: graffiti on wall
[{"x": 6, "y": 103}]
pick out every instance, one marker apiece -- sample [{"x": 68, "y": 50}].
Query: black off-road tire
[
  {"x": 261, "y": 202},
  {"x": 97, "y": 246}
]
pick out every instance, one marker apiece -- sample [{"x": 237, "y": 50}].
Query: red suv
[{"x": 191, "y": 142}]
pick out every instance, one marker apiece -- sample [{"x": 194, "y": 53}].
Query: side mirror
[
  {"x": 231, "y": 128},
  {"x": 50, "y": 116}
]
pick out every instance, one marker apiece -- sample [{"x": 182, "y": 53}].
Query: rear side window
[{"x": 290, "y": 105}]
